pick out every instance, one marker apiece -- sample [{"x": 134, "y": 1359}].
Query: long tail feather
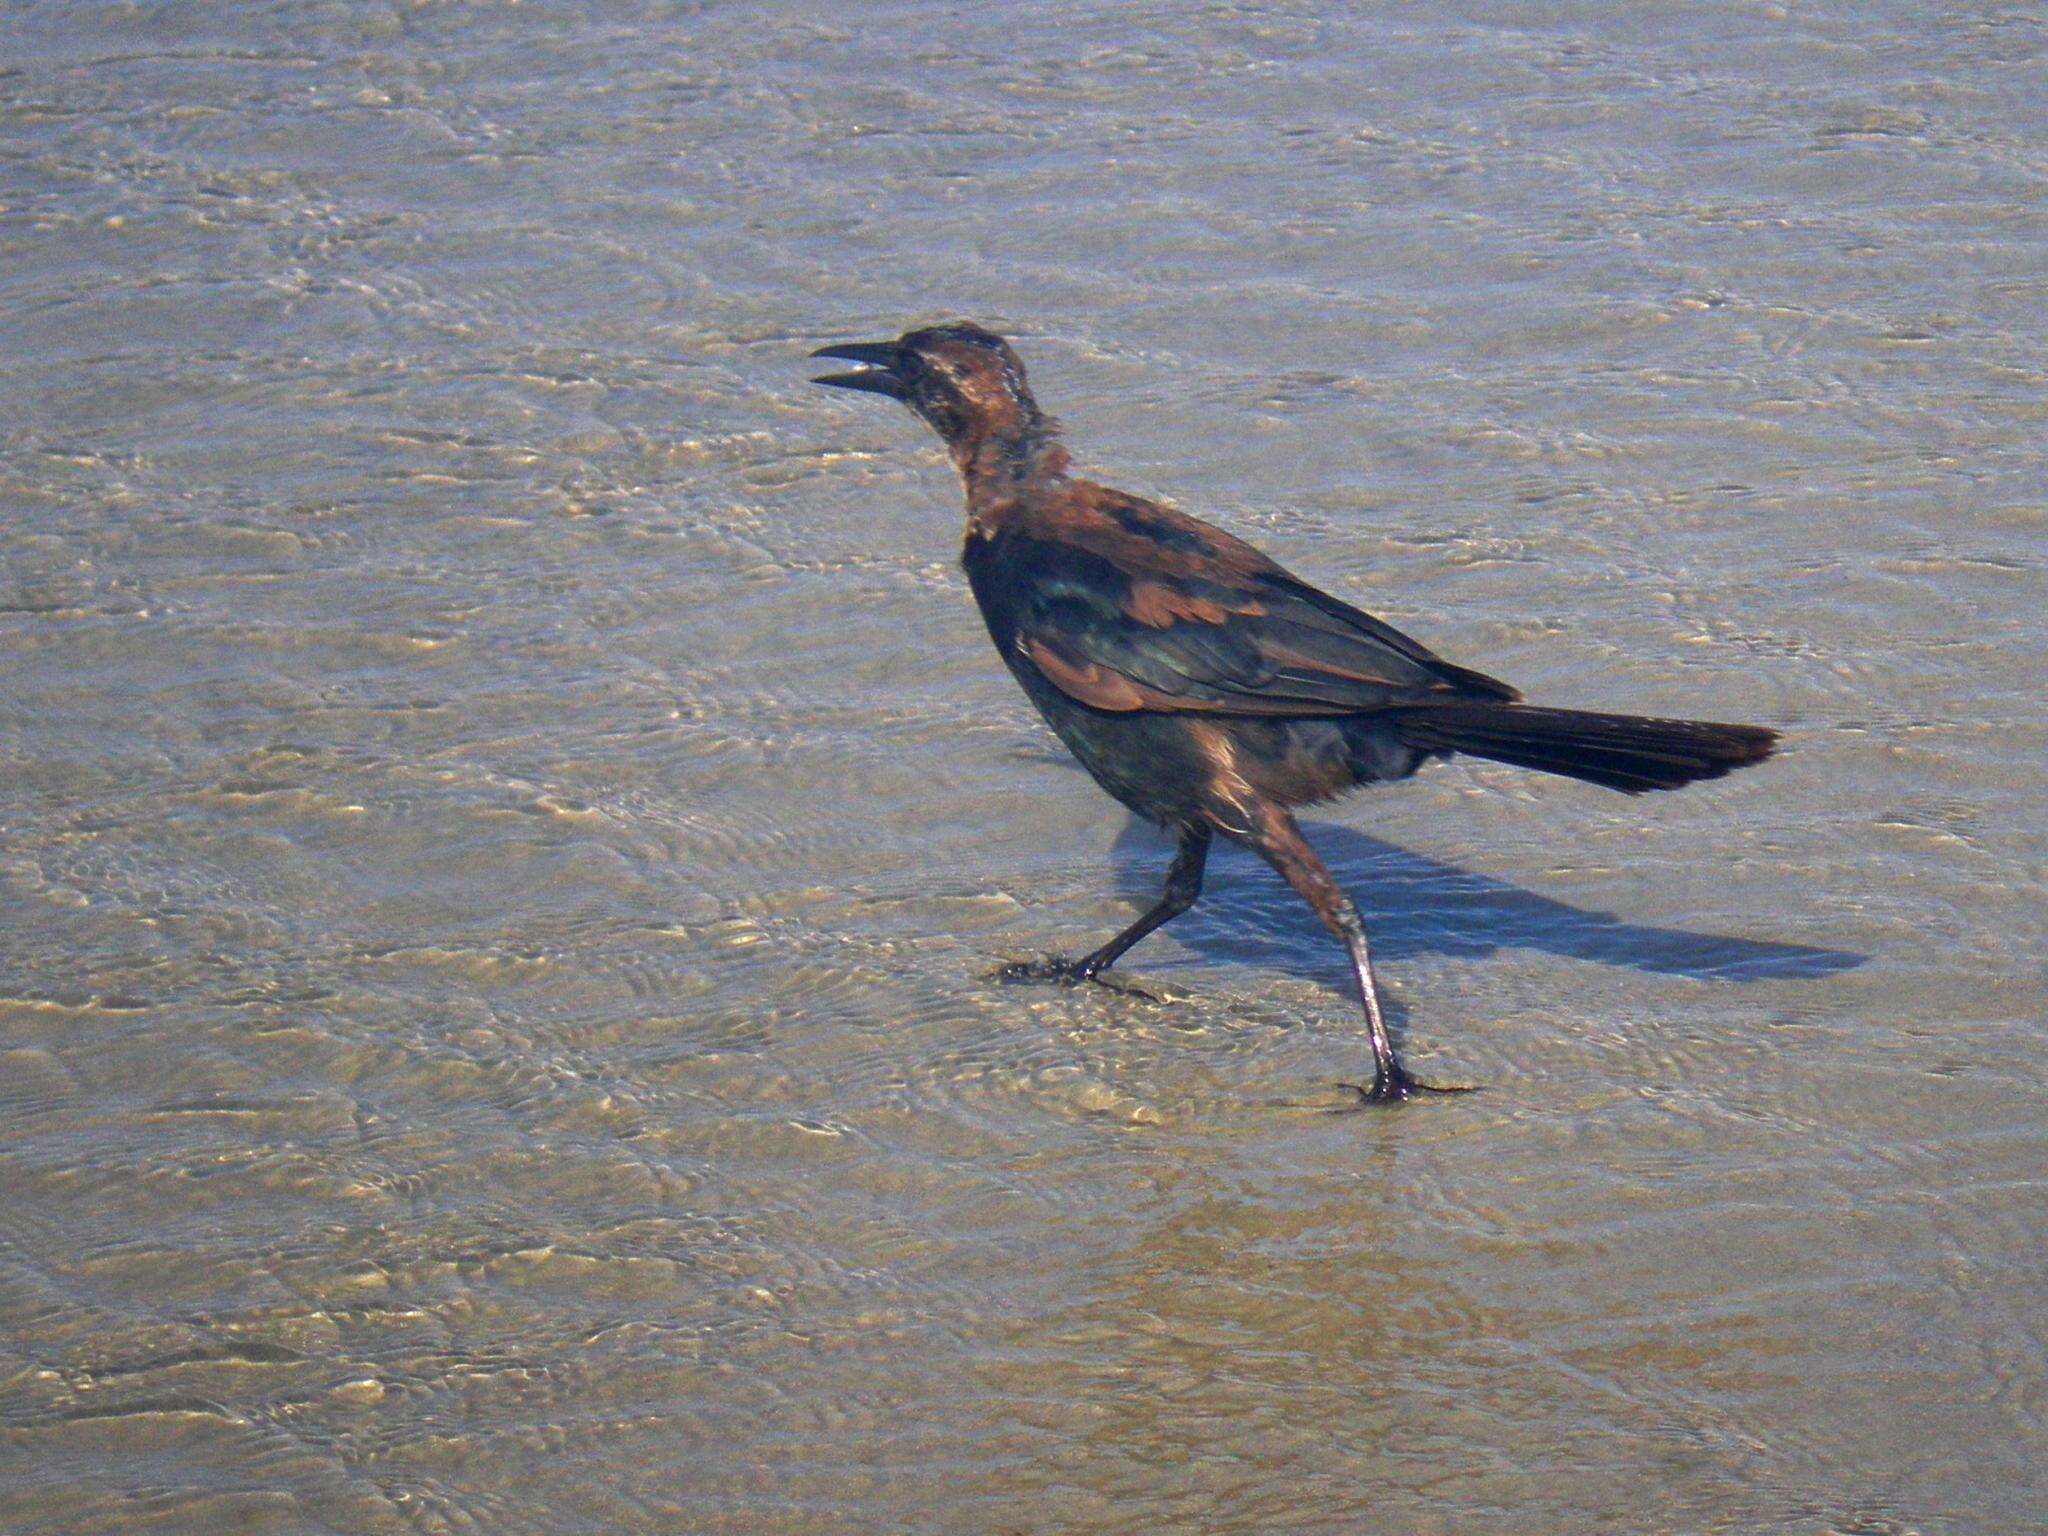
[{"x": 1624, "y": 752}]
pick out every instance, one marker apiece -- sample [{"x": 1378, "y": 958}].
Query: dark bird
[{"x": 1203, "y": 685}]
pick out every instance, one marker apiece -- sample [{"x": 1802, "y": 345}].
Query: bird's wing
[{"x": 1126, "y": 606}]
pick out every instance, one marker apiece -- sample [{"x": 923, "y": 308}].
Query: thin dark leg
[
  {"x": 1278, "y": 840},
  {"x": 1183, "y": 885}
]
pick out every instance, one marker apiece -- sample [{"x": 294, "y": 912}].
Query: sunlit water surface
[{"x": 506, "y": 807}]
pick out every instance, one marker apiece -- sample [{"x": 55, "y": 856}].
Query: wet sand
[{"x": 506, "y": 808}]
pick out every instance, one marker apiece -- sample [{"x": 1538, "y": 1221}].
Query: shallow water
[{"x": 508, "y": 807}]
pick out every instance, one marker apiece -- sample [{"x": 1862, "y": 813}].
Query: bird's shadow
[{"x": 1413, "y": 904}]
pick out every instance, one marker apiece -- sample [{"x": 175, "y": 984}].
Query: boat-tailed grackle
[{"x": 1204, "y": 686}]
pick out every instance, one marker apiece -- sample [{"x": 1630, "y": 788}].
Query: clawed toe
[
  {"x": 1139, "y": 990},
  {"x": 1047, "y": 969},
  {"x": 1395, "y": 1086},
  {"x": 1053, "y": 970}
]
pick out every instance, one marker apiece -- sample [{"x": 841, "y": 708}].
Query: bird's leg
[
  {"x": 1276, "y": 838},
  {"x": 1183, "y": 885}
]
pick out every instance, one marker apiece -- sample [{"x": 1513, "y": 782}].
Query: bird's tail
[{"x": 1624, "y": 752}]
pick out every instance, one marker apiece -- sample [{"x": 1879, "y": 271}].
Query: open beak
[{"x": 875, "y": 375}]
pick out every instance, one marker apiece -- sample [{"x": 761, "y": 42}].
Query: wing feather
[{"x": 1126, "y": 606}]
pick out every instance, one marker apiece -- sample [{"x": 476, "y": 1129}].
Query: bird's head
[{"x": 963, "y": 380}]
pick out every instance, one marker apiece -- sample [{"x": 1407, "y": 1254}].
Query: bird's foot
[
  {"x": 1073, "y": 973},
  {"x": 1393, "y": 1085}
]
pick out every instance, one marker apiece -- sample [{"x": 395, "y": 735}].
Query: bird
[{"x": 1204, "y": 685}]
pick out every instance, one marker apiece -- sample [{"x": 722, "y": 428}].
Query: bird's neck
[{"x": 1001, "y": 456}]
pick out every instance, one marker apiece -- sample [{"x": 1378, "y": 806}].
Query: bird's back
[{"x": 1128, "y": 606}]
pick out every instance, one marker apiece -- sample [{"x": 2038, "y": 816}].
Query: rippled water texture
[{"x": 506, "y": 807}]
